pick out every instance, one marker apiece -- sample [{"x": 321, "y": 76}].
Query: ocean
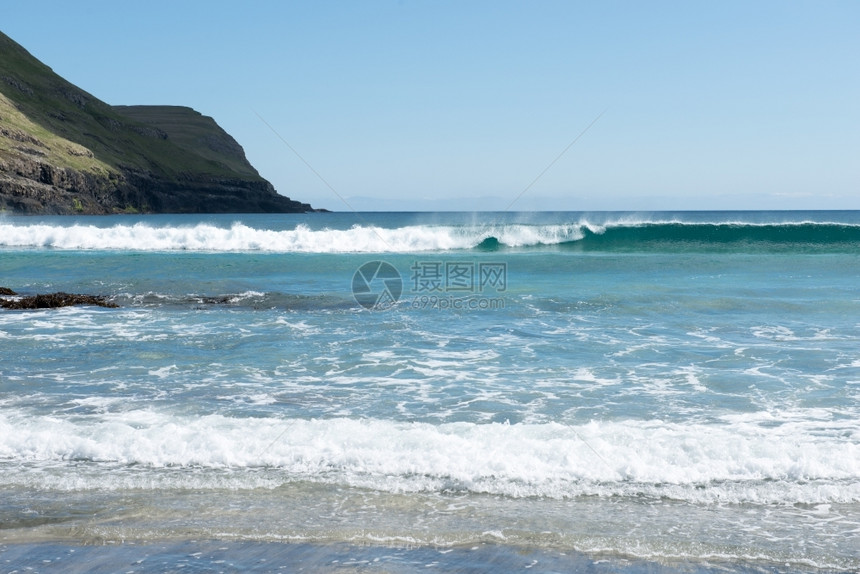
[{"x": 404, "y": 392}]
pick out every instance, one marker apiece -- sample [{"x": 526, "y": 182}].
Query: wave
[
  {"x": 302, "y": 239},
  {"x": 745, "y": 461},
  {"x": 582, "y": 235}
]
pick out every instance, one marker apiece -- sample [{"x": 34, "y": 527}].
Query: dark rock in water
[
  {"x": 53, "y": 300},
  {"x": 220, "y": 300},
  {"x": 6, "y": 291}
]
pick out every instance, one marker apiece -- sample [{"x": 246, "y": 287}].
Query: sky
[{"x": 420, "y": 105}]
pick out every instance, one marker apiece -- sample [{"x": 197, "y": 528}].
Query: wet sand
[{"x": 220, "y": 556}]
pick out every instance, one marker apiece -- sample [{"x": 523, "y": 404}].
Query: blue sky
[{"x": 460, "y": 105}]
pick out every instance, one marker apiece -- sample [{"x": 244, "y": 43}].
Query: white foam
[
  {"x": 358, "y": 239},
  {"x": 240, "y": 237},
  {"x": 163, "y": 372},
  {"x": 799, "y": 460}
]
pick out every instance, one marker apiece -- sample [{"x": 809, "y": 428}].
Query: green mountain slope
[
  {"x": 62, "y": 150},
  {"x": 193, "y": 132}
]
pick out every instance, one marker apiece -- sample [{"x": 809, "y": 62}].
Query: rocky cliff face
[{"x": 63, "y": 151}]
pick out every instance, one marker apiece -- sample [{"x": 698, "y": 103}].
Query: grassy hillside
[
  {"x": 18, "y": 134},
  {"x": 194, "y": 132},
  {"x": 57, "y": 140},
  {"x": 61, "y": 108}
]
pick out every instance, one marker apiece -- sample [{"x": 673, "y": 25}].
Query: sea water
[{"x": 675, "y": 388}]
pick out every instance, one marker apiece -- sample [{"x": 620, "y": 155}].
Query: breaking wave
[
  {"x": 741, "y": 460},
  {"x": 582, "y": 235}
]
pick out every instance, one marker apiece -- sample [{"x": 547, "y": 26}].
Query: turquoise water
[{"x": 670, "y": 387}]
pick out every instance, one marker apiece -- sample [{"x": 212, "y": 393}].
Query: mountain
[{"x": 64, "y": 151}]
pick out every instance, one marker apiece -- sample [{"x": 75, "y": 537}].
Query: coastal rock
[{"x": 54, "y": 300}]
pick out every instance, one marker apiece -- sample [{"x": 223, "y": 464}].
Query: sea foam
[
  {"x": 368, "y": 238},
  {"x": 799, "y": 461},
  {"x": 240, "y": 237}
]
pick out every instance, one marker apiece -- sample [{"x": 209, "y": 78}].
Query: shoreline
[{"x": 258, "y": 556}]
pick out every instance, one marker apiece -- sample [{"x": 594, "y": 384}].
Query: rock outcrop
[{"x": 52, "y": 300}]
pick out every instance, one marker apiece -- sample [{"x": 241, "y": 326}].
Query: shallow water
[{"x": 680, "y": 389}]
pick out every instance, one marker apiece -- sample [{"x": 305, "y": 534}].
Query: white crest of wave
[
  {"x": 744, "y": 462},
  {"x": 240, "y": 237}
]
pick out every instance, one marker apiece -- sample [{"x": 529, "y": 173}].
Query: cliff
[{"x": 64, "y": 151}]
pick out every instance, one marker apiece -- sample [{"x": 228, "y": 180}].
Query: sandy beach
[{"x": 220, "y": 556}]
